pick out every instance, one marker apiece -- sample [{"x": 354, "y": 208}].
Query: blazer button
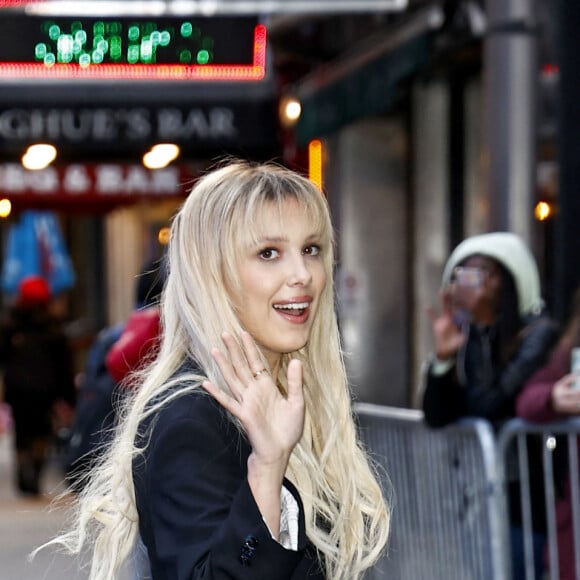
[{"x": 248, "y": 550}]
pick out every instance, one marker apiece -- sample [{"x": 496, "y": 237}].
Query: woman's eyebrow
[
  {"x": 271, "y": 239},
  {"x": 280, "y": 238}
]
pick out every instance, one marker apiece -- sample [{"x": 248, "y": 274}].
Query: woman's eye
[
  {"x": 312, "y": 250},
  {"x": 268, "y": 253}
]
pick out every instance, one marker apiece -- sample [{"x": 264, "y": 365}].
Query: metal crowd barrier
[
  {"x": 448, "y": 520},
  {"x": 516, "y": 432}
]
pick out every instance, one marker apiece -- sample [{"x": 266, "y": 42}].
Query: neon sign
[{"x": 149, "y": 49}]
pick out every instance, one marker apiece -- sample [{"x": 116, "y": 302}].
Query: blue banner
[{"x": 35, "y": 246}]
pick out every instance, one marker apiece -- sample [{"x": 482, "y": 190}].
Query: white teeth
[{"x": 296, "y": 306}]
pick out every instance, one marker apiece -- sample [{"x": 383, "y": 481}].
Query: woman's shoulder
[
  {"x": 539, "y": 336},
  {"x": 188, "y": 414},
  {"x": 185, "y": 397},
  {"x": 185, "y": 400},
  {"x": 541, "y": 325},
  {"x": 184, "y": 423},
  {"x": 188, "y": 401}
]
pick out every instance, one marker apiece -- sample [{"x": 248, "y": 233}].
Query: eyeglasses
[{"x": 472, "y": 277}]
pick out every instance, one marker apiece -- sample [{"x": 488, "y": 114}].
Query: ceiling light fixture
[
  {"x": 39, "y": 156},
  {"x": 160, "y": 155}
]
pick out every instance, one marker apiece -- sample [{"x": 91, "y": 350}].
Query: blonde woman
[{"x": 238, "y": 457}]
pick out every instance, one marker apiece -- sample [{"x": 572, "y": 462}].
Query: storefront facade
[{"x": 102, "y": 120}]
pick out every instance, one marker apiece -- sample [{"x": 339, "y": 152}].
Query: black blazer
[{"x": 197, "y": 516}]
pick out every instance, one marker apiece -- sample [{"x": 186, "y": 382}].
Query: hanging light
[
  {"x": 5, "y": 208},
  {"x": 161, "y": 155},
  {"x": 39, "y": 156},
  {"x": 543, "y": 211},
  {"x": 289, "y": 111}
]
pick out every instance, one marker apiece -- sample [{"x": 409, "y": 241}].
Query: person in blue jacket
[{"x": 237, "y": 456}]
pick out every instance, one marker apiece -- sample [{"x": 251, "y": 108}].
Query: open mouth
[{"x": 297, "y": 311}]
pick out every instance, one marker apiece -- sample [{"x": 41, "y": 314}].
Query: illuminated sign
[
  {"x": 124, "y": 48},
  {"x": 79, "y": 184},
  {"x": 213, "y": 126},
  {"x": 105, "y": 125}
]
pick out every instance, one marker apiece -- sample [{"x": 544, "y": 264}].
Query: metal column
[{"x": 510, "y": 69}]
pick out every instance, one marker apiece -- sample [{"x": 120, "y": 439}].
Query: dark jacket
[
  {"x": 95, "y": 410},
  {"x": 479, "y": 384},
  {"x": 197, "y": 516},
  {"x": 534, "y": 404},
  {"x": 36, "y": 360}
]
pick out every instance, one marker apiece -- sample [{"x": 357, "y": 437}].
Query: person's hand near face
[
  {"x": 477, "y": 294},
  {"x": 565, "y": 398},
  {"x": 447, "y": 334},
  {"x": 472, "y": 296}
]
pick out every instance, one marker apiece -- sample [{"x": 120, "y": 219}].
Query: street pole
[{"x": 510, "y": 92}]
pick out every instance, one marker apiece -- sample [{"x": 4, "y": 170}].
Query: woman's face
[
  {"x": 281, "y": 279},
  {"x": 484, "y": 302}
]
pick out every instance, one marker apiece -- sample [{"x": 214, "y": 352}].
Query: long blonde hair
[{"x": 347, "y": 516}]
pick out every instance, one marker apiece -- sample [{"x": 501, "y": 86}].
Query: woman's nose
[{"x": 300, "y": 272}]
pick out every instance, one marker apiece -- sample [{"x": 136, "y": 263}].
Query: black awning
[{"x": 366, "y": 81}]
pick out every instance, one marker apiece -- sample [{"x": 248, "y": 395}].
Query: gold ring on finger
[{"x": 258, "y": 373}]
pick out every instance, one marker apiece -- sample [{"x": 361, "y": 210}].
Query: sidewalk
[{"x": 27, "y": 523}]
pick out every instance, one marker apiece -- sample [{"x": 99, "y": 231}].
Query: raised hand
[
  {"x": 272, "y": 421},
  {"x": 448, "y": 336},
  {"x": 565, "y": 398}
]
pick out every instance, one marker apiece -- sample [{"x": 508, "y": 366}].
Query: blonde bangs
[{"x": 262, "y": 190}]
